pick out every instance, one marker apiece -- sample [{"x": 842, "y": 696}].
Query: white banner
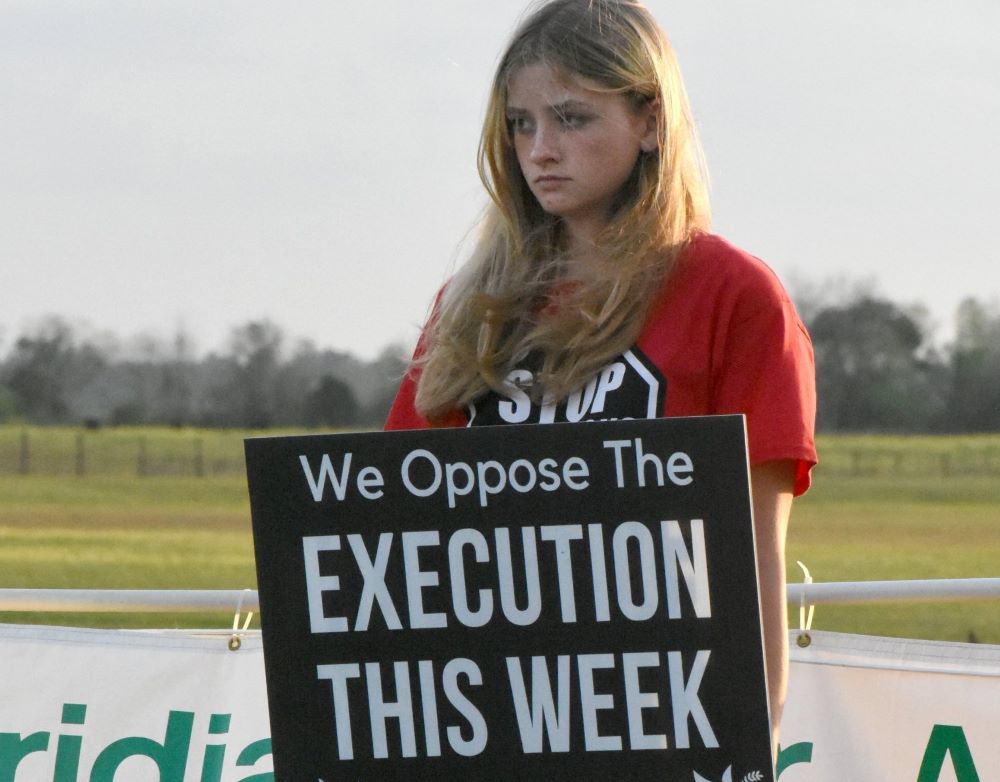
[
  {"x": 82, "y": 705},
  {"x": 891, "y": 710}
]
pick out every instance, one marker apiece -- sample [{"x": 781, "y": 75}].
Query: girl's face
[{"x": 576, "y": 144}]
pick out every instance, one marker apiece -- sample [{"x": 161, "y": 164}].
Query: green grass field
[
  {"x": 885, "y": 508},
  {"x": 882, "y": 528},
  {"x": 122, "y": 533},
  {"x": 881, "y": 508}
]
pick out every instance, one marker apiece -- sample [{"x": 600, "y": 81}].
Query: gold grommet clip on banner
[
  {"x": 805, "y": 616},
  {"x": 236, "y": 639}
]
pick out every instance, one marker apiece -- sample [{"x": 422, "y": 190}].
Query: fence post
[
  {"x": 142, "y": 460},
  {"x": 25, "y": 464},
  {"x": 81, "y": 455},
  {"x": 199, "y": 459}
]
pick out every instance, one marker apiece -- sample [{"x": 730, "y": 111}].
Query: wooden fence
[
  {"x": 144, "y": 452},
  {"x": 95, "y": 452}
]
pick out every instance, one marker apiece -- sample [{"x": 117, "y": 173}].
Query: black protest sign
[{"x": 571, "y": 601}]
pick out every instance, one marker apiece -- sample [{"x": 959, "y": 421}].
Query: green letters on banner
[
  {"x": 793, "y": 755},
  {"x": 948, "y": 739}
]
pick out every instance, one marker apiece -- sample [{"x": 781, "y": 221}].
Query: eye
[
  {"x": 520, "y": 125},
  {"x": 573, "y": 120}
]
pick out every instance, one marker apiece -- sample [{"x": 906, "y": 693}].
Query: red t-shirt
[{"x": 722, "y": 337}]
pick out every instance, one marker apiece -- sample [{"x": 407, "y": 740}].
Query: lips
[{"x": 550, "y": 182}]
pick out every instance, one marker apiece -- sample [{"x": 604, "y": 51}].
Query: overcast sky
[{"x": 190, "y": 164}]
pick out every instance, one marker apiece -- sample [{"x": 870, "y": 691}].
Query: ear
[{"x": 649, "y": 115}]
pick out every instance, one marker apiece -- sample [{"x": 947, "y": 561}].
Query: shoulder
[
  {"x": 718, "y": 296},
  {"x": 715, "y": 285},
  {"x": 730, "y": 267}
]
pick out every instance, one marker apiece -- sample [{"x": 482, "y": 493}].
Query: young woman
[{"x": 594, "y": 271}]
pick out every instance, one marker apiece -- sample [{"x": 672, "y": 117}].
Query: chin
[{"x": 554, "y": 207}]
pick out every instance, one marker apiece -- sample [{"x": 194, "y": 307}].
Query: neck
[{"x": 581, "y": 242}]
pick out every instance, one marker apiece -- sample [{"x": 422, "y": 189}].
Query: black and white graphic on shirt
[{"x": 628, "y": 388}]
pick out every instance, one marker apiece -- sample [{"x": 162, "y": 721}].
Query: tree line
[
  {"x": 878, "y": 370},
  {"x": 55, "y": 374}
]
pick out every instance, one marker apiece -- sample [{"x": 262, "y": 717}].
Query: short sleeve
[{"x": 767, "y": 372}]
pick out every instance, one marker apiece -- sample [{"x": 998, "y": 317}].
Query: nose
[{"x": 544, "y": 144}]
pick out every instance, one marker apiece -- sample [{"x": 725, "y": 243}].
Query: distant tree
[
  {"x": 389, "y": 368},
  {"x": 974, "y": 401},
  {"x": 372, "y": 383},
  {"x": 812, "y": 296},
  {"x": 872, "y": 371},
  {"x": 213, "y": 382},
  {"x": 47, "y": 366},
  {"x": 331, "y": 403},
  {"x": 175, "y": 392},
  {"x": 299, "y": 379},
  {"x": 255, "y": 355},
  {"x": 8, "y": 405},
  {"x": 37, "y": 371}
]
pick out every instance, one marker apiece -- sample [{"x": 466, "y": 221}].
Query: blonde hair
[{"x": 493, "y": 315}]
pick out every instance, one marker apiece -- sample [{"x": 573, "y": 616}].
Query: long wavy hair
[{"x": 506, "y": 307}]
